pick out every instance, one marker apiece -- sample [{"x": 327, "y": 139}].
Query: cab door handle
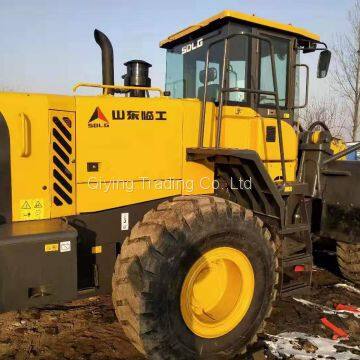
[{"x": 26, "y": 135}]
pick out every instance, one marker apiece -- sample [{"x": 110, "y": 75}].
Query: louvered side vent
[{"x": 63, "y": 169}]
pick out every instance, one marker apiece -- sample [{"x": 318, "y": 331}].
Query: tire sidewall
[{"x": 244, "y": 236}]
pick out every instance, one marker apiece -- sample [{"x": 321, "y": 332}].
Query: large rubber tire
[
  {"x": 155, "y": 259},
  {"x": 348, "y": 256}
]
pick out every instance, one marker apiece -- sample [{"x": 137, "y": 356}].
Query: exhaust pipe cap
[{"x": 107, "y": 56}]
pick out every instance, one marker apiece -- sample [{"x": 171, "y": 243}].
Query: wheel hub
[{"x": 217, "y": 292}]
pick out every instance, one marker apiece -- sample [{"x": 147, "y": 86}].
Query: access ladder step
[
  {"x": 294, "y": 289},
  {"x": 294, "y": 228},
  {"x": 291, "y": 246},
  {"x": 296, "y": 274},
  {"x": 302, "y": 259}
]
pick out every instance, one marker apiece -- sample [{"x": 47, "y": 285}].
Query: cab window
[
  {"x": 185, "y": 70},
  {"x": 214, "y": 74},
  {"x": 238, "y": 68},
  {"x": 281, "y": 53}
]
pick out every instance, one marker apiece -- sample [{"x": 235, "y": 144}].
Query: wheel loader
[{"x": 195, "y": 206}]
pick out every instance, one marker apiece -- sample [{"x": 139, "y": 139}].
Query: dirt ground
[{"x": 88, "y": 329}]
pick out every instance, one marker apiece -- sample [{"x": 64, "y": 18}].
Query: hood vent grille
[{"x": 62, "y": 171}]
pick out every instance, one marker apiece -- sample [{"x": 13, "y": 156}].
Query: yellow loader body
[{"x": 133, "y": 150}]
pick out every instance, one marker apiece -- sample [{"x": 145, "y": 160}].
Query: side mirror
[
  {"x": 324, "y": 63},
  {"x": 212, "y": 75}
]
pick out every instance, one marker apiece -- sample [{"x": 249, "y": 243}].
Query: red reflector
[{"x": 299, "y": 268}]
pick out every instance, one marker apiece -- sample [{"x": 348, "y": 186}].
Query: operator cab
[{"x": 248, "y": 62}]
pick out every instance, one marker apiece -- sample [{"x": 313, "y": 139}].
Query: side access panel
[
  {"x": 341, "y": 201},
  {"x": 124, "y": 146}
]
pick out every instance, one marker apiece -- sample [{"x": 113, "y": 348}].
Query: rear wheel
[
  {"x": 348, "y": 256},
  {"x": 195, "y": 279}
]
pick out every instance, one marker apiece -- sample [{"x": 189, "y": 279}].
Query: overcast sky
[{"x": 48, "y": 46}]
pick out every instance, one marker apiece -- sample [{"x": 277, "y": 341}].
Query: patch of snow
[
  {"x": 290, "y": 344},
  {"x": 327, "y": 310},
  {"x": 349, "y": 288}
]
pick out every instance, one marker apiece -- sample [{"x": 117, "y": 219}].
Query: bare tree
[
  {"x": 328, "y": 111},
  {"x": 345, "y": 76}
]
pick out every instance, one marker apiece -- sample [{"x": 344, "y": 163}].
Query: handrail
[
  {"x": 341, "y": 154},
  {"x": 254, "y": 91},
  {"x": 275, "y": 93},
  {"x": 121, "y": 88}
]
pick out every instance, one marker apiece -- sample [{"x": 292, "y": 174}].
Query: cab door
[{"x": 285, "y": 60}]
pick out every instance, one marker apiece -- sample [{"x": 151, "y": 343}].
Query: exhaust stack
[{"x": 107, "y": 56}]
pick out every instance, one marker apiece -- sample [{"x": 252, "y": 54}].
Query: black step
[
  {"x": 294, "y": 260},
  {"x": 293, "y": 282},
  {"x": 294, "y": 188},
  {"x": 292, "y": 246},
  {"x": 294, "y": 228},
  {"x": 294, "y": 289}
]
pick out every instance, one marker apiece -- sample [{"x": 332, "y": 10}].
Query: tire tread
[
  {"x": 147, "y": 248},
  {"x": 348, "y": 256}
]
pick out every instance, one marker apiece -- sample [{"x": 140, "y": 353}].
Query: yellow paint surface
[
  {"x": 217, "y": 292},
  {"x": 30, "y": 170},
  {"x": 137, "y": 159}
]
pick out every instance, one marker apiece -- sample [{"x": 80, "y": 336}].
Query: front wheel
[{"x": 195, "y": 279}]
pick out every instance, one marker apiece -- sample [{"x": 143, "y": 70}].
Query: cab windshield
[{"x": 185, "y": 66}]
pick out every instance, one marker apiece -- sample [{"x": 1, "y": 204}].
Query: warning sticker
[
  {"x": 125, "y": 221},
  {"x": 32, "y": 209},
  {"x": 65, "y": 246},
  {"x": 51, "y": 247}
]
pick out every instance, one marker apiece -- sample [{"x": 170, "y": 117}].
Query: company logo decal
[
  {"x": 98, "y": 119},
  {"x": 192, "y": 46},
  {"x": 138, "y": 115}
]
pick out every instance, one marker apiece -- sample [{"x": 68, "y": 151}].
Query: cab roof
[{"x": 238, "y": 16}]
